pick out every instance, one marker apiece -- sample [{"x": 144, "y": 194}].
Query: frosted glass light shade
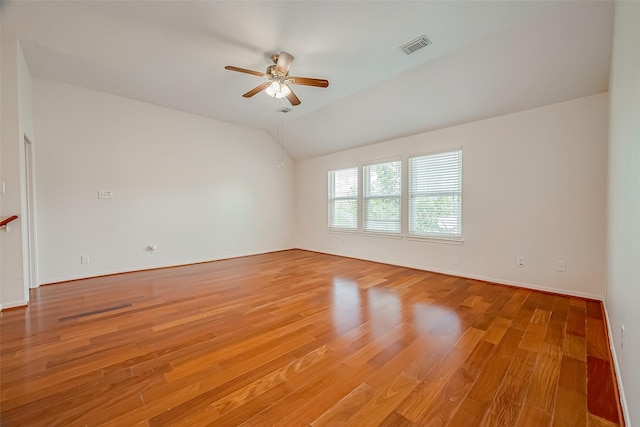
[{"x": 277, "y": 89}]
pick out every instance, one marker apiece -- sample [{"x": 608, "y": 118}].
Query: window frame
[
  {"x": 364, "y": 197},
  {"x": 436, "y": 237},
  {"x": 332, "y": 198},
  {"x": 405, "y": 200}
]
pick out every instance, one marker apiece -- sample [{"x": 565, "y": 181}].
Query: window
[
  {"x": 343, "y": 199},
  {"x": 381, "y": 198},
  {"x": 435, "y": 195}
]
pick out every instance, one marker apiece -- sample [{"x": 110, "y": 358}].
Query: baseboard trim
[
  {"x": 584, "y": 295},
  {"x": 612, "y": 348},
  {"x": 407, "y": 265},
  {"x": 158, "y": 267},
  {"x": 14, "y": 305}
]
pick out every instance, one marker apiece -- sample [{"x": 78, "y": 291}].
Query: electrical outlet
[
  {"x": 84, "y": 259},
  {"x": 622, "y": 336},
  {"x": 456, "y": 260},
  {"x": 561, "y": 265},
  {"x": 152, "y": 249},
  {"x": 520, "y": 261},
  {"x": 105, "y": 194}
]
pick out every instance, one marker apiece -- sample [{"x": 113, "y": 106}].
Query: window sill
[
  {"x": 341, "y": 231},
  {"x": 396, "y": 236},
  {"x": 445, "y": 240},
  {"x": 383, "y": 235}
]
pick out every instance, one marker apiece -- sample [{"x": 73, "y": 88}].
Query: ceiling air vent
[
  {"x": 416, "y": 44},
  {"x": 284, "y": 110}
]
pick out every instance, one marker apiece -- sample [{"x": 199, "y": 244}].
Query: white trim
[
  {"x": 397, "y": 236},
  {"x": 612, "y": 348},
  {"x": 435, "y": 151},
  {"x": 409, "y": 199},
  {"x": 526, "y": 285},
  {"x": 352, "y": 231},
  {"x": 447, "y": 240},
  {"x": 30, "y": 221},
  {"x": 465, "y": 275},
  {"x": 159, "y": 266},
  {"x": 14, "y": 304},
  {"x": 365, "y": 197},
  {"x": 332, "y": 198},
  {"x": 397, "y": 158}
]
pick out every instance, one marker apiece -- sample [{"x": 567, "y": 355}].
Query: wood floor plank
[
  {"x": 596, "y": 339},
  {"x": 544, "y": 381},
  {"x": 496, "y": 331},
  {"x": 426, "y": 362},
  {"x": 507, "y": 404},
  {"x": 211, "y": 409},
  {"x": 387, "y": 373},
  {"x": 396, "y": 420},
  {"x": 423, "y": 395},
  {"x": 384, "y": 402},
  {"x": 570, "y": 408},
  {"x": 535, "y": 333},
  {"x": 556, "y": 330},
  {"x": 533, "y": 417},
  {"x": 444, "y": 406},
  {"x": 469, "y": 414},
  {"x": 241, "y": 414},
  {"x": 281, "y": 411},
  {"x": 315, "y": 403},
  {"x": 487, "y": 384},
  {"x": 576, "y": 319},
  {"x": 470, "y": 339},
  {"x": 574, "y": 346},
  {"x": 294, "y": 338},
  {"x": 595, "y": 421},
  {"x": 600, "y": 385}
]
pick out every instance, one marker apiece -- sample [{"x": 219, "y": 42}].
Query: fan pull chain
[
  {"x": 278, "y": 138},
  {"x": 280, "y": 141}
]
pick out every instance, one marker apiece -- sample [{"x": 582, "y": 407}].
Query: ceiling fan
[{"x": 278, "y": 79}]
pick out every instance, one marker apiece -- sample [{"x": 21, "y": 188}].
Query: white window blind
[
  {"x": 435, "y": 195},
  {"x": 381, "y": 198},
  {"x": 343, "y": 199}
]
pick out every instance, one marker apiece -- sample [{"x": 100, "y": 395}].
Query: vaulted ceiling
[{"x": 487, "y": 58}]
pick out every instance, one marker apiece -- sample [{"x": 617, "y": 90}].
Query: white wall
[
  {"x": 198, "y": 188},
  {"x": 16, "y": 122},
  {"x": 534, "y": 184},
  {"x": 623, "y": 285}
]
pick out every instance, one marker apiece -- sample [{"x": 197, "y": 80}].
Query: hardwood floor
[{"x": 298, "y": 338}]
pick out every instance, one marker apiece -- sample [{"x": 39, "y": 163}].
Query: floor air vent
[{"x": 416, "y": 44}]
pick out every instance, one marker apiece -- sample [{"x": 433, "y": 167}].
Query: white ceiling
[{"x": 487, "y": 58}]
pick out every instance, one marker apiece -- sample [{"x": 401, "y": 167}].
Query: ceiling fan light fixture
[
  {"x": 277, "y": 90},
  {"x": 278, "y": 79}
]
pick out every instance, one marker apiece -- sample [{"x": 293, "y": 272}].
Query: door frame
[{"x": 30, "y": 224}]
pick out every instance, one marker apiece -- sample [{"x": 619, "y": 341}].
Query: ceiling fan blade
[
  {"x": 243, "y": 70},
  {"x": 284, "y": 62},
  {"x": 307, "y": 81},
  {"x": 293, "y": 99},
  {"x": 257, "y": 89}
]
